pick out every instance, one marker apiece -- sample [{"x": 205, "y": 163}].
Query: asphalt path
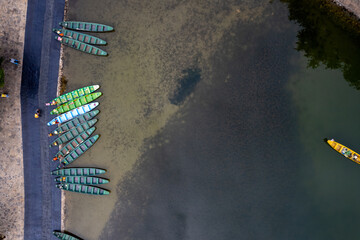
[{"x": 39, "y": 83}]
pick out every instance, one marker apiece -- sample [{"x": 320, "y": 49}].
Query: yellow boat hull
[{"x": 345, "y": 151}]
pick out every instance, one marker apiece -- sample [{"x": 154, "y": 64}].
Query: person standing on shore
[
  {"x": 14, "y": 61},
  {"x": 37, "y": 114}
]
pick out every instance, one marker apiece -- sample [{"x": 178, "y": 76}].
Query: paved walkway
[
  {"x": 39, "y": 84},
  {"x": 12, "y": 30}
]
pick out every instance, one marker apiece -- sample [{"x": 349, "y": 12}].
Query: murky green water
[{"x": 212, "y": 125}]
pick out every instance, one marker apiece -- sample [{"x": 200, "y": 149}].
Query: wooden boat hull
[
  {"x": 78, "y": 102},
  {"x": 64, "y": 236},
  {"x": 73, "y": 95},
  {"x": 72, "y": 114},
  {"x": 69, "y": 135},
  {"x": 75, "y": 122},
  {"x": 74, "y": 143},
  {"x": 86, "y": 26},
  {"x": 344, "y": 151},
  {"x": 79, "y": 188},
  {"x": 82, "y": 37},
  {"x": 78, "y": 172},
  {"x": 83, "y": 47},
  {"x": 77, "y": 152},
  {"x": 81, "y": 180}
]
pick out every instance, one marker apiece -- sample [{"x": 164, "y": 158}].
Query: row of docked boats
[
  {"x": 74, "y": 136},
  {"x": 81, "y": 41}
]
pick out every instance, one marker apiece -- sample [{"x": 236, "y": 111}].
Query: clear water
[{"x": 212, "y": 126}]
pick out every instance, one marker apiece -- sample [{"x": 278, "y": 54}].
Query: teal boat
[
  {"x": 72, "y": 95},
  {"x": 83, "y": 47},
  {"x": 79, "y": 188},
  {"x": 74, "y": 143},
  {"x": 78, "y": 102},
  {"x": 64, "y": 236},
  {"x": 69, "y": 135},
  {"x": 73, "y": 123},
  {"x": 77, "y": 152},
  {"x": 81, "y": 180},
  {"x": 86, "y": 171},
  {"x": 82, "y": 37},
  {"x": 86, "y": 26},
  {"x": 73, "y": 113}
]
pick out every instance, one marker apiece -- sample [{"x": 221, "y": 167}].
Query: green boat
[
  {"x": 83, "y": 47},
  {"x": 78, "y": 171},
  {"x": 74, "y": 94},
  {"x": 70, "y": 146},
  {"x": 64, "y": 236},
  {"x": 82, "y": 37},
  {"x": 78, "y": 102},
  {"x": 81, "y": 180},
  {"x": 77, "y": 152},
  {"x": 79, "y": 188},
  {"x": 73, "y": 123},
  {"x": 69, "y": 135},
  {"x": 86, "y": 26}
]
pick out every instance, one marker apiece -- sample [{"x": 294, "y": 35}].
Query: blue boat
[{"x": 72, "y": 114}]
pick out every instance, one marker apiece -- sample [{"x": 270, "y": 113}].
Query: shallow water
[{"x": 211, "y": 126}]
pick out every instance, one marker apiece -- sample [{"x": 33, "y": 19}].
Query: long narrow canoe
[
  {"x": 79, "y": 188},
  {"x": 72, "y": 114},
  {"x": 77, "y": 152},
  {"x": 69, "y": 135},
  {"x": 82, "y": 37},
  {"x": 78, "y": 171},
  {"x": 344, "y": 151},
  {"x": 74, "y": 143},
  {"x": 83, "y": 47},
  {"x": 64, "y": 236},
  {"x": 78, "y": 102},
  {"x": 73, "y": 123},
  {"x": 86, "y": 26},
  {"x": 74, "y": 94},
  {"x": 81, "y": 180}
]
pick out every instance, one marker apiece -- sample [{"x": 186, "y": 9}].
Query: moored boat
[
  {"x": 344, "y": 151},
  {"x": 72, "y": 114},
  {"x": 79, "y": 188},
  {"x": 73, "y": 94},
  {"x": 86, "y": 26},
  {"x": 82, "y": 37},
  {"x": 75, "y": 122},
  {"x": 69, "y": 135},
  {"x": 81, "y": 180},
  {"x": 74, "y": 143},
  {"x": 78, "y": 102},
  {"x": 85, "y": 171},
  {"x": 83, "y": 47},
  {"x": 77, "y": 152},
  {"x": 64, "y": 236}
]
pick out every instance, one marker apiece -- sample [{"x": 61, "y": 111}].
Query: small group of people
[{"x": 346, "y": 152}]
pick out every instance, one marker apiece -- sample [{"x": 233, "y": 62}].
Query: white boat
[{"x": 74, "y": 113}]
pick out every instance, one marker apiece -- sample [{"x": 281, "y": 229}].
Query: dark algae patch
[
  {"x": 329, "y": 35},
  {"x": 186, "y": 85}
]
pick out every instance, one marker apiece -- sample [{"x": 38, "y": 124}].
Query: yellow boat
[{"x": 345, "y": 151}]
